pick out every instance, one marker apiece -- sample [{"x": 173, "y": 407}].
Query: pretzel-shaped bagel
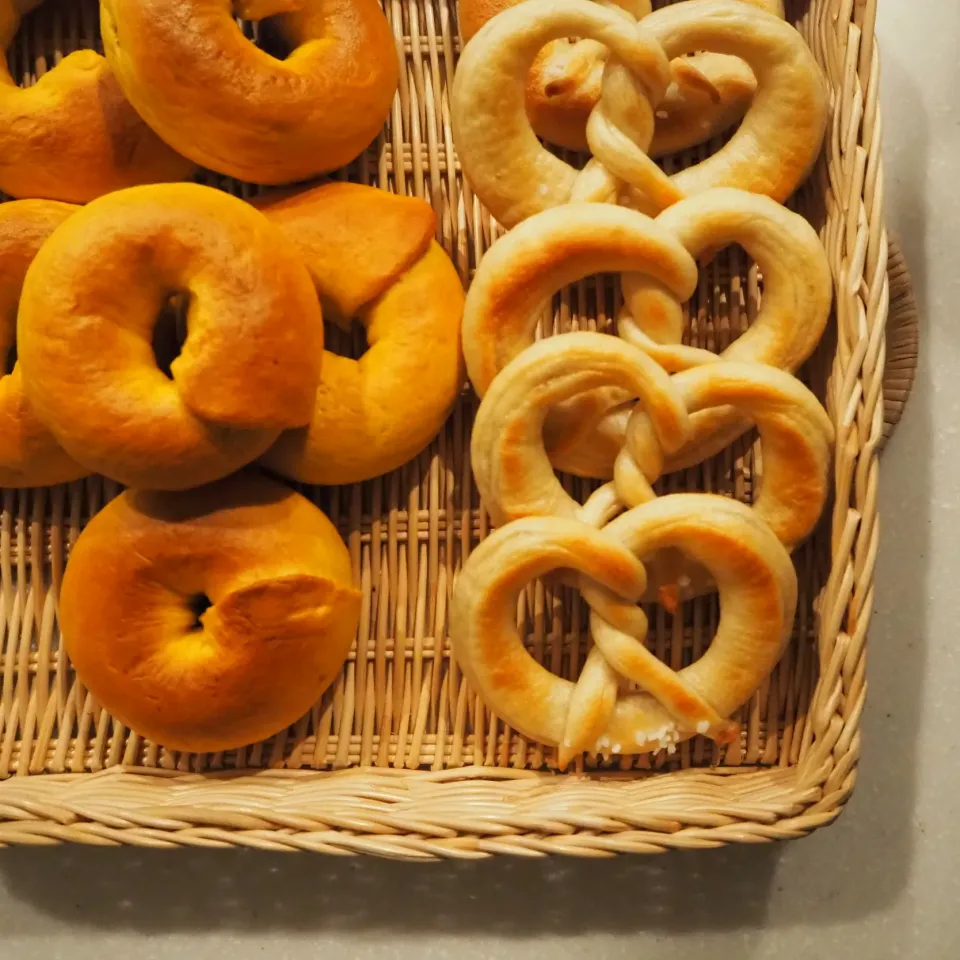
[
  {"x": 527, "y": 266},
  {"x": 558, "y": 247},
  {"x": 758, "y": 593},
  {"x": 515, "y": 176},
  {"x": 73, "y": 136},
  {"x": 29, "y": 454},
  {"x": 372, "y": 257},
  {"x": 797, "y": 294},
  {"x": 516, "y": 479},
  {"x": 251, "y": 361},
  {"x": 217, "y": 98},
  {"x": 709, "y": 94}
]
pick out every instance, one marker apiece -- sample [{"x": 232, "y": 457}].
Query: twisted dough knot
[
  {"x": 586, "y": 432},
  {"x": 516, "y": 479},
  {"x": 515, "y": 176},
  {"x": 709, "y": 93},
  {"x": 758, "y": 592}
]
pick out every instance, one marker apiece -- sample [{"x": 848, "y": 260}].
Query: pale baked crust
[
  {"x": 515, "y": 176},
  {"x": 560, "y": 246},
  {"x": 516, "y": 479},
  {"x": 709, "y": 94},
  {"x": 758, "y": 590}
]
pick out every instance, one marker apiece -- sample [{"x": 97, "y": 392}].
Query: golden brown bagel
[
  {"x": 209, "y": 620},
  {"x": 515, "y": 176},
  {"x": 709, "y": 94},
  {"x": 73, "y": 136},
  {"x": 758, "y": 592},
  {"x": 29, "y": 455},
  {"x": 248, "y": 369},
  {"x": 226, "y": 104},
  {"x": 373, "y": 258}
]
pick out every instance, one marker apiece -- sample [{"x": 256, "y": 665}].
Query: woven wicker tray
[{"x": 400, "y": 759}]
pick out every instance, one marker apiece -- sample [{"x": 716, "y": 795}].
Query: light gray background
[{"x": 881, "y": 883}]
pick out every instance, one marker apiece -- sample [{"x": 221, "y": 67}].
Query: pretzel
[
  {"x": 758, "y": 593},
  {"x": 515, "y": 176},
  {"x": 217, "y": 98},
  {"x": 249, "y": 367},
  {"x": 539, "y": 256},
  {"x": 372, "y": 257},
  {"x": 708, "y": 95},
  {"x": 516, "y": 479},
  {"x": 73, "y": 136},
  {"x": 29, "y": 454},
  {"x": 558, "y": 247}
]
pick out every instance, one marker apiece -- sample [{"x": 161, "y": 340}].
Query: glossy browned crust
[
  {"x": 373, "y": 259},
  {"x": 230, "y": 106},
  {"x": 73, "y": 136},
  {"x": 249, "y": 367},
  {"x": 29, "y": 454},
  {"x": 282, "y": 617}
]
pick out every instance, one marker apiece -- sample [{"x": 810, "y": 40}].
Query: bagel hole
[
  {"x": 199, "y": 603},
  {"x": 10, "y": 360},
  {"x": 350, "y": 343},
  {"x": 170, "y": 333},
  {"x": 267, "y": 35}
]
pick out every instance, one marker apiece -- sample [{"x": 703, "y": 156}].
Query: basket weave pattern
[{"x": 400, "y": 758}]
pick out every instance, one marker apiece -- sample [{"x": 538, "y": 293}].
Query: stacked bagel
[
  {"x": 628, "y": 408},
  {"x": 208, "y": 606}
]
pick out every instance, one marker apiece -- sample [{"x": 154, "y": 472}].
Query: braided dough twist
[
  {"x": 758, "y": 593},
  {"x": 558, "y": 247},
  {"x": 515, "y": 176},
  {"x": 709, "y": 94},
  {"x": 516, "y": 479}
]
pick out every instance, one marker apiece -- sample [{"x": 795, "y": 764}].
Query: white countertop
[{"x": 881, "y": 883}]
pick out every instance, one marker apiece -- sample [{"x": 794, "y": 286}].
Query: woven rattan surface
[
  {"x": 400, "y": 758},
  {"x": 903, "y": 341}
]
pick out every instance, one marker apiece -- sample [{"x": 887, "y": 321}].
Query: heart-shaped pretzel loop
[
  {"x": 758, "y": 593},
  {"x": 515, "y": 176}
]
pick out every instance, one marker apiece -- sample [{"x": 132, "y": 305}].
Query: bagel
[
  {"x": 709, "y": 93},
  {"x": 758, "y": 594},
  {"x": 29, "y": 455},
  {"x": 218, "y": 99},
  {"x": 73, "y": 136},
  {"x": 209, "y": 620},
  {"x": 514, "y": 175},
  {"x": 373, "y": 258},
  {"x": 248, "y": 369}
]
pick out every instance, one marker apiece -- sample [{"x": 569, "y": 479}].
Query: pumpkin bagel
[
  {"x": 29, "y": 454},
  {"x": 373, "y": 258},
  {"x": 73, "y": 136},
  {"x": 210, "y": 620},
  {"x": 249, "y": 366},
  {"x": 220, "y": 100}
]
